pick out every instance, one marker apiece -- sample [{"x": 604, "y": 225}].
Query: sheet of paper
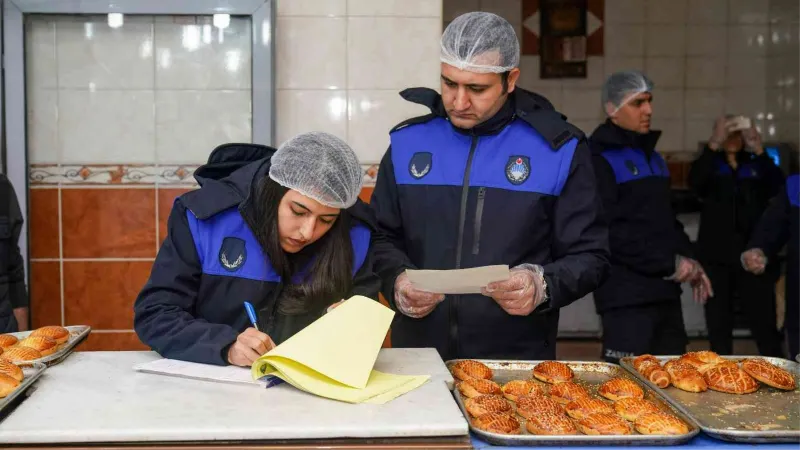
[
  {"x": 183, "y": 369},
  {"x": 458, "y": 281}
]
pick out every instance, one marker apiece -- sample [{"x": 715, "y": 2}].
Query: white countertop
[{"x": 98, "y": 397}]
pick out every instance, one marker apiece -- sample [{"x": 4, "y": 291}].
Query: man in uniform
[
  {"x": 640, "y": 303},
  {"x": 13, "y": 295},
  {"x": 493, "y": 175}
]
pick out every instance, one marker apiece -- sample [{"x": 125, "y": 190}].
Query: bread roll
[
  {"x": 20, "y": 353},
  {"x": 55, "y": 332},
  {"x": 7, "y": 385},
  {"x": 45, "y": 345},
  {"x": 11, "y": 369}
]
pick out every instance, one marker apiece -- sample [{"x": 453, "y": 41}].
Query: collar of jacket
[{"x": 610, "y": 136}]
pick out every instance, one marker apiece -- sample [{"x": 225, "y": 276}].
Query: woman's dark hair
[{"x": 327, "y": 264}]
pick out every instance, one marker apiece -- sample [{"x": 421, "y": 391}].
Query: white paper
[
  {"x": 206, "y": 372},
  {"x": 457, "y": 281}
]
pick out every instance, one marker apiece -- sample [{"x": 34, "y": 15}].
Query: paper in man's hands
[{"x": 457, "y": 281}]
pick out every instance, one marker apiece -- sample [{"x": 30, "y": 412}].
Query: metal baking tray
[
  {"x": 32, "y": 371},
  {"x": 590, "y": 375},
  {"x": 767, "y": 415},
  {"x": 77, "y": 333}
]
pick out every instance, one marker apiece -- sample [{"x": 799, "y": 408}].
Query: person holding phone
[{"x": 735, "y": 180}]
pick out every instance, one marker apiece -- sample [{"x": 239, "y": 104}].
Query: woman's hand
[{"x": 249, "y": 346}]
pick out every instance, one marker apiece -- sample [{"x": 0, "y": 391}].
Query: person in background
[
  {"x": 493, "y": 175},
  {"x": 283, "y": 230},
  {"x": 735, "y": 179},
  {"x": 639, "y": 304},
  {"x": 779, "y": 226},
  {"x": 13, "y": 295}
]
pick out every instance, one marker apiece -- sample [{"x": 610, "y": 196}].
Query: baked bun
[
  {"x": 54, "y": 332},
  {"x": 703, "y": 361},
  {"x": 475, "y": 387},
  {"x": 466, "y": 369},
  {"x": 11, "y": 369},
  {"x": 487, "y": 404},
  {"x": 631, "y": 408},
  {"x": 533, "y": 405},
  {"x": 660, "y": 423},
  {"x": 20, "y": 353},
  {"x": 7, "y": 340},
  {"x": 567, "y": 392},
  {"x": 685, "y": 377},
  {"x": 603, "y": 423},
  {"x": 553, "y": 372},
  {"x": 519, "y": 388},
  {"x": 550, "y": 424},
  {"x": 730, "y": 379},
  {"x": 769, "y": 374},
  {"x": 45, "y": 345},
  {"x": 585, "y": 407},
  {"x": 500, "y": 423},
  {"x": 619, "y": 388},
  {"x": 7, "y": 385}
]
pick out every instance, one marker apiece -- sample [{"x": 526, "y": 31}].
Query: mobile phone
[{"x": 739, "y": 123}]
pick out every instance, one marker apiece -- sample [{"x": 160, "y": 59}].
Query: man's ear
[
  {"x": 610, "y": 109},
  {"x": 513, "y": 76}
]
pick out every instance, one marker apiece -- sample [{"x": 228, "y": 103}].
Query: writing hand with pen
[{"x": 250, "y": 344}]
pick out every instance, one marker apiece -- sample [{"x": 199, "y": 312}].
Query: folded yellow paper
[{"x": 334, "y": 356}]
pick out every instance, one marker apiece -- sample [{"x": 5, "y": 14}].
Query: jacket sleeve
[
  {"x": 772, "y": 230},
  {"x": 580, "y": 236},
  {"x": 11, "y": 222},
  {"x": 390, "y": 254},
  {"x": 701, "y": 172},
  {"x": 163, "y": 311},
  {"x": 772, "y": 178}
]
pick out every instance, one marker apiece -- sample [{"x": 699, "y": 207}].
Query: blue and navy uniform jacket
[
  {"x": 779, "y": 226},
  {"x": 12, "y": 267},
  {"x": 733, "y": 200},
  {"x": 211, "y": 263},
  {"x": 518, "y": 188},
  {"x": 644, "y": 234}
]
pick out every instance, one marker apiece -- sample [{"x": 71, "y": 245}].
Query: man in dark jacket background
[
  {"x": 13, "y": 295},
  {"x": 639, "y": 304},
  {"x": 493, "y": 175}
]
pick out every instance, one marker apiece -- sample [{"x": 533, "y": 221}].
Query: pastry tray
[
  {"x": 590, "y": 375},
  {"x": 32, "y": 371},
  {"x": 77, "y": 333},
  {"x": 765, "y": 416}
]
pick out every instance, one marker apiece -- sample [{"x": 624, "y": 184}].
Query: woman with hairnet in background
[
  {"x": 640, "y": 303},
  {"x": 283, "y": 230}
]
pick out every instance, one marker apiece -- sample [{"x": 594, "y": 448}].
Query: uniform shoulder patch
[
  {"x": 518, "y": 169},
  {"x": 420, "y": 164},
  {"x": 232, "y": 253},
  {"x": 631, "y": 166}
]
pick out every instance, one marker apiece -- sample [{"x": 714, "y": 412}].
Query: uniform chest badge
[
  {"x": 232, "y": 254},
  {"x": 420, "y": 164},
  {"x": 518, "y": 169},
  {"x": 632, "y": 167}
]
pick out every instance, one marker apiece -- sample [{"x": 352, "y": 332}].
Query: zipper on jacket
[
  {"x": 476, "y": 244},
  {"x": 461, "y": 223}
]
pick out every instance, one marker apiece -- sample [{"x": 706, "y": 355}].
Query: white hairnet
[
  {"x": 319, "y": 166},
  {"x": 621, "y": 87},
  {"x": 480, "y": 42}
]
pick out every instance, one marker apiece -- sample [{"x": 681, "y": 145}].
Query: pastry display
[
  {"x": 548, "y": 423},
  {"x": 475, "y": 387},
  {"x": 649, "y": 366},
  {"x": 685, "y": 377},
  {"x": 660, "y": 423},
  {"x": 19, "y": 353},
  {"x": 583, "y": 408},
  {"x": 500, "y": 423},
  {"x": 553, "y": 372},
  {"x": 631, "y": 408},
  {"x": 703, "y": 361},
  {"x": 45, "y": 345},
  {"x": 7, "y": 385},
  {"x": 518, "y": 388},
  {"x": 730, "y": 379},
  {"x": 487, "y": 404},
  {"x": 769, "y": 374},
  {"x": 55, "y": 332},
  {"x": 11, "y": 369},
  {"x": 466, "y": 369},
  {"x": 603, "y": 424},
  {"x": 532, "y": 405},
  {"x": 567, "y": 392},
  {"x": 7, "y": 340},
  {"x": 619, "y": 388}
]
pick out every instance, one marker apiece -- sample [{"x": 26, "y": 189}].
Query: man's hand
[
  {"x": 248, "y": 347},
  {"x": 752, "y": 141},
  {"x": 520, "y": 294},
  {"x": 685, "y": 269},
  {"x": 411, "y": 301},
  {"x": 719, "y": 134},
  {"x": 754, "y": 261},
  {"x": 21, "y": 314},
  {"x": 701, "y": 287}
]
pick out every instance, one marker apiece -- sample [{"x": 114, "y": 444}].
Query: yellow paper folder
[{"x": 334, "y": 356}]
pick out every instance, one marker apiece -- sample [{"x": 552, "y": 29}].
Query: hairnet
[
  {"x": 621, "y": 87},
  {"x": 319, "y": 166},
  {"x": 480, "y": 42}
]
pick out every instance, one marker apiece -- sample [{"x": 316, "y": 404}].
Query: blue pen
[{"x": 251, "y": 313}]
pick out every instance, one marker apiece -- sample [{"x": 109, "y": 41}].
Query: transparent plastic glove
[
  {"x": 685, "y": 269},
  {"x": 719, "y": 133},
  {"x": 522, "y": 292},
  {"x": 701, "y": 286},
  {"x": 411, "y": 301},
  {"x": 752, "y": 141},
  {"x": 754, "y": 261}
]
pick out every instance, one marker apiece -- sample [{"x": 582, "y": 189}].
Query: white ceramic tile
[
  {"x": 748, "y": 40},
  {"x": 42, "y": 125},
  {"x": 311, "y": 53},
  {"x": 106, "y": 126},
  {"x": 372, "y": 115},
  {"x": 696, "y": 131},
  {"x": 312, "y": 7},
  {"x": 748, "y": 11},
  {"x": 784, "y": 11},
  {"x": 705, "y": 72},
  {"x": 708, "y": 11},
  {"x": 201, "y": 56},
  {"x": 666, "y": 71},
  {"x": 787, "y": 130},
  {"x": 750, "y": 102},
  {"x": 302, "y": 111},
  {"x": 666, "y": 40},
  {"x": 704, "y": 103},
  {"x": 624, "y": 11},
  {"x": 554, "y": 95},
  {"x": 671, "y": 139},
  {"x": 667, "y": 11},
  {"x": 511, "y": 10},
  {"x": 706, "y": 40},
  {"x": 454, "y": 8},
  {"x": 529, "y": 74},
  {"x": 190, "y": 124},
  {"x": 783, "y": 103},
  {"x": 782, "y": 72},
  {"x": 40, "y": 52},
  {"x": 92, "y": 55},
  {"x": 616, "y": 64},
  {"x": 783, "y": 39},
  {"x": 407, "y": 8},
  {"x": 392, "y": 53},
  {"x": 668, "y": 103},
  {"x": 624, "y": 40},
  {"x": 746, "y": 71},
  {"x": 582, "y": 103}
]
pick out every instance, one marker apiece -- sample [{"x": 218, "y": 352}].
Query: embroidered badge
[
  {"x": 518, "y": 169},
  {"x": 632, "y": 167},
  {"x": 232, "y": 254},
  {"x": 420, "y": 164}
]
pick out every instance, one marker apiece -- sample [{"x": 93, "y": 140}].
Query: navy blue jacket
[
  {"x": 518, "y": 188},
  {"x": 12, "y": 268},
  {"x": 733, "y": 201},
  {"x": 210, "y": 263},
  {"x": 779, "y": 226},
  {"x": 644, "y": 235}
]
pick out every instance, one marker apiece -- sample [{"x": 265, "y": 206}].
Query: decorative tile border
[{"x": 43, "y": 174}]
